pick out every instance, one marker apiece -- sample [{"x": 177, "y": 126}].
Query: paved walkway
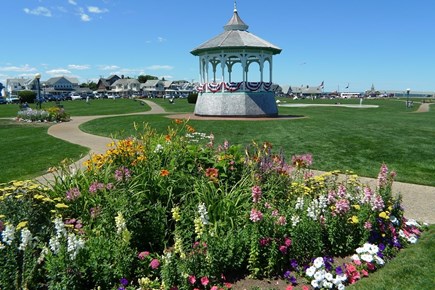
[{"x": 418, "y": 200}]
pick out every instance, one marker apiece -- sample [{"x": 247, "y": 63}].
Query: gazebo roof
[{"x": 236, "y": 36}]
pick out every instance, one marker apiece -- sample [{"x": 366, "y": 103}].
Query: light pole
[
  {"x": 38, "y": 89},
  {"x": 407, "y": 97}
]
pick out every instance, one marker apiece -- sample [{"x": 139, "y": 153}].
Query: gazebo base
[{"x": 237, "y": 104}]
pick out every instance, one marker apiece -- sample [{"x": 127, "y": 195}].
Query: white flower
[
  {"x": 203, "y": 214},
  {"x": 299, "y": 203},
  {"x": 402, "y": 234},
  {"x": 60, "y": 227},
  {"x": 310, "y": 271},
  {"x": 318, "y": 262},
  {"x": 8, "y": 234},
  {"x": 340, "y": 287},
  {"x": 295, "y": 220},
  {"x": 367, "y": 247},
  {"x": 367, "y": 257},
  {"x": 74, "y": 244},
  {"x": 54, "y": 245},
  {"x": 315, "y": 283},
  {"x": 341, "y": 277},
  {"x": 319, "y": 276},
  {"x": 412, "y": 222},
  {"x": 2, "y": 246},
  {"x": 328, "y": 285},
  {"x": 412, "y": 239},
  {"x": 26, "y": 236},
  {"x": 379, "y": 260},
  {"x": 329, "y": 277},
  {"x": 360, "y": 250},
  {"x": 42, "y": 255},
  {"x": 120, "y": 223},
  {"x": 373, "y": 249},
  {"x": 355, "y": 257},
  {"x": 159, "y": 148}
]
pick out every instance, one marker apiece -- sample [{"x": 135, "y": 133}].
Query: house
[
  {"x": 126, "y": 87},
  {"x": 61, "y": 84},
  {"x": 13, "y": 86},
  {"x": 153, "y": 88},
  {"x": 104, "y": 84},
  {"x": 303, "y": 91}
]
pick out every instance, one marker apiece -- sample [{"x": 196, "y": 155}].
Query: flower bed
[
  {"x": 176, "y": 211},
  {"x": 53, "y": 114}
]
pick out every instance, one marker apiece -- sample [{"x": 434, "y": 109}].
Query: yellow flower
[
  {"x": 38, "y": 196},
  {"x": 61, "y": 205},
  {"x": 176, "y": 214},
  {"x": 356, "y": 206},
  {"x": 18, "y": 196},
  {"x": 21, "y": 225},
  {"x": 384, "y": 215},
  {"x": 18, "y": 183},
  {"x": 47, "y": 199},
  {"x": 2, "y": 216},
  {"x": 353, "y": 219}
]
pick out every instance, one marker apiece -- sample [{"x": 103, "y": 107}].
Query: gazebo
[{"x": 218, "y": 94}]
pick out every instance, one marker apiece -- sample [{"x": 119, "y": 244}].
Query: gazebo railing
[{"x": 235, "y": 87}]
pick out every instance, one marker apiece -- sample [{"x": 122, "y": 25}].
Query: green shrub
[
  {"x": 192, "y": 97},
  {"x": 27, "y": 96}
]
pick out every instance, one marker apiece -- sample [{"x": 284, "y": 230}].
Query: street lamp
[
  {"x": 38, "y": 89},
  {"x": 407, "y": 97}
]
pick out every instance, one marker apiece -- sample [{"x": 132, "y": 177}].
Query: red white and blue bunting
[{"x": 235, "y": 86}]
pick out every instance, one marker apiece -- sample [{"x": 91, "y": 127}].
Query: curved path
[{"x": 418, "y": 200}]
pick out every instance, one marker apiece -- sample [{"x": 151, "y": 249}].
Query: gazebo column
[
  {"x": 223, "y": 62},
  {"x": 243, "y": 61},
  {"x": 270, "y": 69},
  {"x": 206, "y": 75}
]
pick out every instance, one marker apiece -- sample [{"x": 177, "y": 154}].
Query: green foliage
[
  {"x": 144, "y": 78},
  {"x": 27, "y": 96},
  {"x": 192, "y": 97}
]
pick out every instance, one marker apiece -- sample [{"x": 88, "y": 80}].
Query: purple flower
[
  {"x": 294, "y": 264},
  {"x": 256, "y": 193},
  {"x": 122, "y": 173},
  {"x": 256, "y": 215},
  {"x": 123, "y": 281},
  {"x": 339, "y": 270}
]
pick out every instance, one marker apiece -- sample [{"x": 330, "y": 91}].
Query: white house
[{"x": 126, "y": 87}]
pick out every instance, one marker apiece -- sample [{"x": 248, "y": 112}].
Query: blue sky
[{"x": 390, "y": 44}]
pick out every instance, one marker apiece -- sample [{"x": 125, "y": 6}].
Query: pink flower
[
  {"x": 192, "y": 279},
  {"x": 364, "y": 273},
  {"x": 72, "y": 194},
  {"x": 154, "y": 264},
  {"x": 289, "y": 287},
  {"x": 204, "y": 281},
  {"x": 305, "y": 287},
  {"x": 256, "y": 215},
  {"x": 342, "y": 206},
  {"x": 357, "y": 262},
  {"x": 287, "y": 242},
  {"x": 142, "y": 255},
  {"x": 368, "y": 225},
  {"x": 283, "y": 249},
  {"x": 214, "y": 288},
  {"x": 371, "y": 266},
  {"x": 256, "y": 193}
]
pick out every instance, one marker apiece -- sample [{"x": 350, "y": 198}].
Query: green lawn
[
  {"x": 28, "y": 151},
  {"x": 339, "y": 138}
]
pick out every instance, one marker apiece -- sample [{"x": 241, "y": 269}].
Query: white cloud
[
  {"x": 161, "y": 39},
  {"x": 160, "y": 67},
  {"x": 72, "y": 2},
  {"x": 108, "y": 67},
  {"x": 97, "y": 10},
  {"x": 84, "y": 17},
  {"x": 39, "y": 11},
  {"x": 58, "y": 72},
  {"x": 78, "y": 66},
  {"x": 24, "y": 68}
]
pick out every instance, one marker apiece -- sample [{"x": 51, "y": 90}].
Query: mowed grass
[
  {"x": 359, "y": 140},
  {"x": 28, "y": 151}
]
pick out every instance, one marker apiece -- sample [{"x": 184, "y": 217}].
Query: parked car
[
  {"x": 113, "y": 97},
  {"x": 13, "y": 99},
  {"x": 75, "y": 96},
  {"x": 3, "y": 101}
]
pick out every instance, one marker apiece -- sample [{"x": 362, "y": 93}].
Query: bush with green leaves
[{"x": 27, "y": 96}]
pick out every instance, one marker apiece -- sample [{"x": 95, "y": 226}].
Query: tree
[{"x": 144, "y": 78}]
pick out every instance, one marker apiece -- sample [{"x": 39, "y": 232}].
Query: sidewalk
[{"x": 418, "y": 200}]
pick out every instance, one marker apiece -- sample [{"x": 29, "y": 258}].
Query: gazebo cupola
[{"x": 219, "y": 94}]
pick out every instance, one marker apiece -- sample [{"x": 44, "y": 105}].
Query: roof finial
[{"x": 235, "y": 6}]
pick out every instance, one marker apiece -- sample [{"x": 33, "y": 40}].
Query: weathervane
[{"x": 235, "y": 6}]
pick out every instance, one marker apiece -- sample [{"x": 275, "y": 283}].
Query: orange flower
[
  {"x": 168, "y": 138},
  {"x": 212, "y": 173},
  {"x": 178, "y": 121},
  {"x": 190, "y": 129},
  {"x": 164, "y": 172}
]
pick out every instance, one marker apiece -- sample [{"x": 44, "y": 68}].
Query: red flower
[
  {"x": 305, "y": 287},
  {"x": 289, "y": 287}
]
